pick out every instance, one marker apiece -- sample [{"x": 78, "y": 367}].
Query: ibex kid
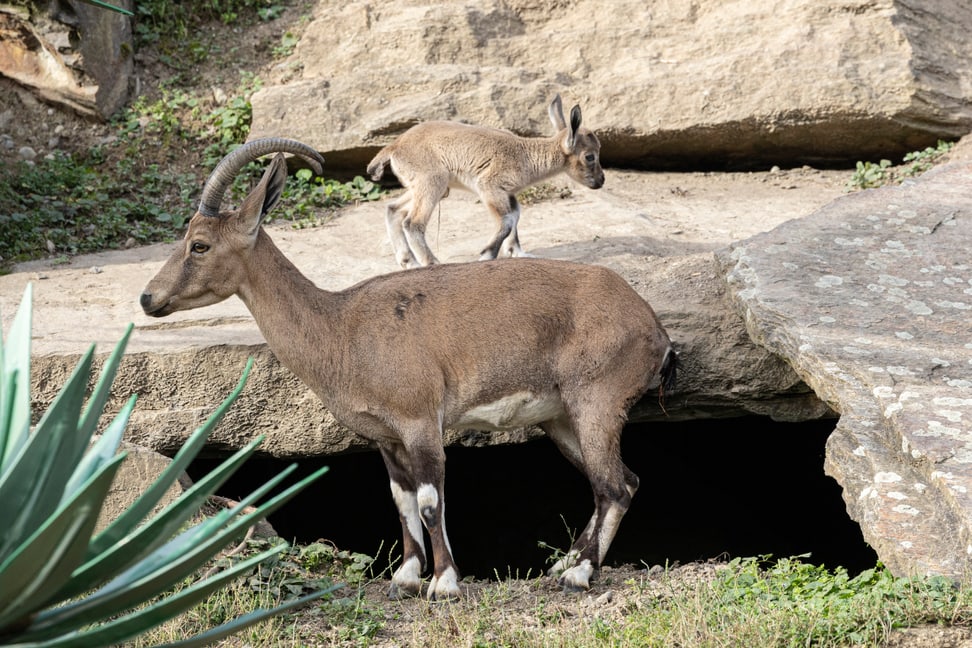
[{"x": 433, "y": 157}]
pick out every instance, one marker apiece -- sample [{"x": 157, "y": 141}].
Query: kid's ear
[{"x": 556, "y": 113}]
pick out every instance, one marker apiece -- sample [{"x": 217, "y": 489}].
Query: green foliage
[
  {"x": 917, "y": 162},
  {"x": 76, "y": 204},
  {"x": 324, "y": 556},
  {"x": 868, "y": 175},
  {"x": 789, "y": 603},
  {"x": 156, "y": 20},
  {"x": 66, "y": 584},
  {"x": 309, "y": 201},
  {"x": 228, "y": 125},
  {"x": 286, "y": 47}
]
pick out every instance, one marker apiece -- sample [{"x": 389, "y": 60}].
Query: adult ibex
[
  {"x": 432, "y": 157},
  {"x": 401, "y": 357}
]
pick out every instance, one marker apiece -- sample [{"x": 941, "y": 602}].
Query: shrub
[{"x": 62, "y": 584}]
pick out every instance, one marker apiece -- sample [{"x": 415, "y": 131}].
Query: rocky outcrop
[
  {"x": 859, "y": 309},
  {"x": 669, "y": 84},
  {"x": 869, "y": 300},
  {"x": 183, "y": 365}
]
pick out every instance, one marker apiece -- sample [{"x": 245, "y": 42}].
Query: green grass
[{"x": 745, "y": 602}]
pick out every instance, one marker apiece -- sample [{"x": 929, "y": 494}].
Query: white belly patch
[{"x": 513, "y": 411}]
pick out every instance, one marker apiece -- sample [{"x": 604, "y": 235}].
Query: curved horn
[{"x": 224, "y": 173}]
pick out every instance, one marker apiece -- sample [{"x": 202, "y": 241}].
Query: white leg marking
[
  {"x": 444, "y": 587},
  {"x": 427, "y": 497},
  {"x": 568, "y": 561},
  {"x": 408, "y": 577},
  {"x": 407, "y": 505},
  {"x": 578, "y": 577},
  {"x": 612, "y": 519}
]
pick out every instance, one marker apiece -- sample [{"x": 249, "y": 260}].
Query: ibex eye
[
  {"x": 589, "y": 158},
  {"x": 198, "y": 248}
]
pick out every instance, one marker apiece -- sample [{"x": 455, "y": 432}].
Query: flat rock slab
[
  {"x": 870, "y": 301},
  {"x": 658, "y": 231}
]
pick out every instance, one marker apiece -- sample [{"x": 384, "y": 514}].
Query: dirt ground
[{"x": 674, "y": 214}]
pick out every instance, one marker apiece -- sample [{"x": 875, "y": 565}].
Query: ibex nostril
[{"x": 145, "y": 300}]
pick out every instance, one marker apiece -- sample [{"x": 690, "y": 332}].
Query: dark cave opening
[{"x": 709, "y": 489}]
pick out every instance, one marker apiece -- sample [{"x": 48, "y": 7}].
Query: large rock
[
  {"x": 183, "y": 365},
  {"x": 869, "y": 301},
  {"x": 744, "y": 82}
]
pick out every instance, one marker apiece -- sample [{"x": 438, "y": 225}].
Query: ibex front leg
[
  {"x": 407, "y": 579},
  {"x": 422, "y": 455}
]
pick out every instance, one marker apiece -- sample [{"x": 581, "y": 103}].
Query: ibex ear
[
  {"x": 264, "y": 196},
  {"x": 556, "y": 113},
  {"x": 571, "y": 138}
]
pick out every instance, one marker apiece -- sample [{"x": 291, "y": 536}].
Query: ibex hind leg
[
  {"x": 595, "y": 451},
  {"x": 394, "y": 222},
  {"x": 505, "y": 242},
  {"x": 425, "y": 196}
]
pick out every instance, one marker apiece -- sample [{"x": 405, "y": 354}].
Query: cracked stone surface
[{"x": 869, "y": 300}]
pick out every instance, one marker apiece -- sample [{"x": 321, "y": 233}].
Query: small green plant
[
  {"x": 920, "y": 161},
  {"x": 63, "y": 584},
  {"x": 286, "y": 47},
  {"x": 868, "y": 175}
]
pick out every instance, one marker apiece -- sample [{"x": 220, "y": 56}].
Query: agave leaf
[
  {"x": 31, "y": 489},
  {"x": 8, "y": 390},
  {"x": 102, "y": 450},
  {"x": 41, "y": 564},
  {"x": 232, "y": 627},
  {"x": 16, "y": 361},
  {"x": 142, "y": 619},
  {"x": 111, "y": 7},
  {"x": 141, "y": 543},
  {"x": 166, "y": 566},
  {"x": 56, "y": 431},
  {"x": 156, "y": 614},
  {"x": 140, "y": 508},
  {"x": 98, "y": 398},
  {"x": 107, "y": 445}
]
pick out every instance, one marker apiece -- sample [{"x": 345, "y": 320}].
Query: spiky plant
[{"x": 61, "y": 584}]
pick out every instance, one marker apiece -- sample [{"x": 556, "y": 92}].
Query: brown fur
[{"x": 398, "y": 358}]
